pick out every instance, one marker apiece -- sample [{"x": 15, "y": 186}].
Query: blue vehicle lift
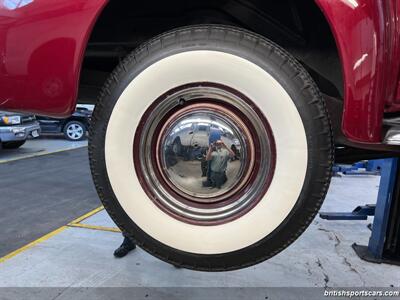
[
  {"x": 384, "y": 243},
  {"x": 371, "y": 167}
]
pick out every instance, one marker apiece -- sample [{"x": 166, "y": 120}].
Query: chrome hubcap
[{"x": 204, "y": 153}]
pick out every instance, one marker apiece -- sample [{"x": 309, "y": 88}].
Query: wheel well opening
[{"x": 300, "y": 28}]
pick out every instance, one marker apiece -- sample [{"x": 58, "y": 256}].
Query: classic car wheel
[
  {"x": 13, "y": 145},
  {"x": 236, "y": 84},
  {"x": 74, "y": 131}
]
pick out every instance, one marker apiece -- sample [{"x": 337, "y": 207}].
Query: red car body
[
  {"x": 42, "y": 44},
  {"x": 41, "y": 51}
]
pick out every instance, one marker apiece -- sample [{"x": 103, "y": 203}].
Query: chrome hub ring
[
  {"x": 184, "y": 142},
  {"x": 204, "y": 153}
]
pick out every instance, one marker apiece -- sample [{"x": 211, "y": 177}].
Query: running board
[{"x": 392, "y": 136}]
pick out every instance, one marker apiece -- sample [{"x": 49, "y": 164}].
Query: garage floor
[
  {"x": 42, "y": 193},
  {"x": 79, "y": 254},
  {"x": 38, "y": 147}
]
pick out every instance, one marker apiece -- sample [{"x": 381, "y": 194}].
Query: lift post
[{"x": 384, "y": 243}]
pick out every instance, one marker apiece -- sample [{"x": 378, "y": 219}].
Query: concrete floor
[
  {"x": 321, "y": 257},
  {"x": 41, "y": 194},
  {"x": 41, "y": 146}
]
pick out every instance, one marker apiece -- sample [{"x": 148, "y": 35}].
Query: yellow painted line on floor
[
  {"x": 31, "y": 244},
  {"x": 85, "y": 216},
  {"x": 40, "y": 154},
  {"x": 74, "y": 223},
  {"x": 77, "y": 222},
  {"x": 95, "y": 227}
]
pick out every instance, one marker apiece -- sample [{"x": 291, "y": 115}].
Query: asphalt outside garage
[
  {"x": 40, "y": 194},
  {"x": 56, "y": 234}
]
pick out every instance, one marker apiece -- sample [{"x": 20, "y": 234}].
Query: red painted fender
[
  {"x": 367, "y": 34},
  {"x": 42, "y": 43}
]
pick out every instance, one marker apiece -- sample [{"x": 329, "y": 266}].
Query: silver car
[{"x": 15, "y": 129}]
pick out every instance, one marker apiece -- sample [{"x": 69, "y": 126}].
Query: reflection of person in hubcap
[{"x": 218, "y": 155}]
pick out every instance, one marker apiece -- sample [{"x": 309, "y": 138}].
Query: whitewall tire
[{"x": 280, "y": 121}]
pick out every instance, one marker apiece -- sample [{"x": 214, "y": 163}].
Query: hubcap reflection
[{"x": 204, "y": 154}]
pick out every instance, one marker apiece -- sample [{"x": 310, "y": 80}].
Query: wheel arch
[{"x": 302, "y": 30}]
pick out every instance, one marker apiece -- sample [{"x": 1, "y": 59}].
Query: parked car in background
[
  {"x": 16, "y": 128},
  {"x": 74, "y": 128}
]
